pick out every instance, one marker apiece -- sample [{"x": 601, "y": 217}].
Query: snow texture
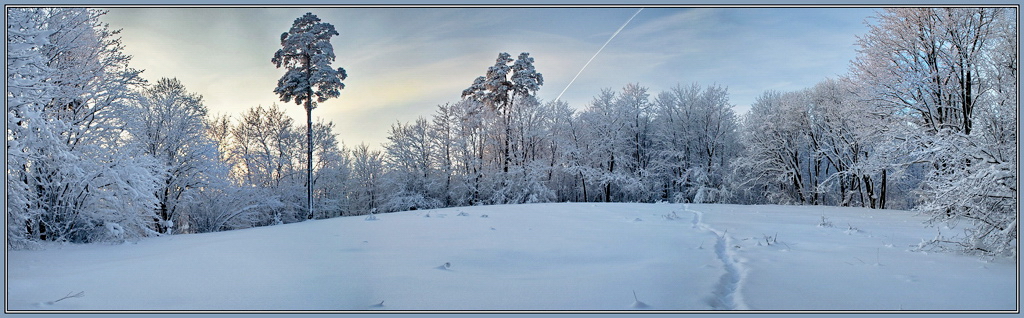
[{"x": 552, "y": 256}]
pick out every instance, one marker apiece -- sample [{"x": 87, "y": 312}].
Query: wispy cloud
[
  {"x": 749, "y": 49},
  {"x": 402, "y": 62}
]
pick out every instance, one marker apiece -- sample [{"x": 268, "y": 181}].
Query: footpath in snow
[
  {"x": 557, "y": 256},
  {"x": 727, "y": 295}
]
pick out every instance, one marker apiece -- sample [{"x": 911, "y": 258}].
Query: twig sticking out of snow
[
  {"x": 851, "y": 229},
  {"x": 78, "y": 295},
  {"x": 771, "y": 239},
  {"x": 637, "y": 303},
  {"x": 824, "y": 222}
]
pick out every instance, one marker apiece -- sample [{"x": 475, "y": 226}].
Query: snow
[{"x": 552, "y": 256}]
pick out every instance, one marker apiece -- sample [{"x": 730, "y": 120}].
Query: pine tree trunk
[
  {"x": 309, "y": 160},
  {"x": 309, "y": 142}
]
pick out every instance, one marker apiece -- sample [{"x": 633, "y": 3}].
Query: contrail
[{"x": 598, "y": 52}]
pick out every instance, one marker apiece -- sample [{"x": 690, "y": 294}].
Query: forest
[{"x": 925, "y": 120}]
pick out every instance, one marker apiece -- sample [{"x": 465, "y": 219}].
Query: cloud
[
  {"x": 402, "y": 62},
  {"x": 748, "y": 50}
]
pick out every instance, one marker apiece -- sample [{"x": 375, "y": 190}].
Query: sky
[{"x": 403, "y": 62}]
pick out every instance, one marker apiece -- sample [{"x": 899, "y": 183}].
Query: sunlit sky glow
[{"x": 403, "y": 62}]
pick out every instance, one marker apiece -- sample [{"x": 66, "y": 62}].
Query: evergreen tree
[{"x": 307, "y": 55}]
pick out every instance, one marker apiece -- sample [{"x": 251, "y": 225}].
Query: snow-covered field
[{"x": 558, "y": 256}]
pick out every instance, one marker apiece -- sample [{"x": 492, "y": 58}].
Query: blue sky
[{"x": 403, "y": 62}]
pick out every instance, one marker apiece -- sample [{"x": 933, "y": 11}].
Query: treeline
[{"x": 925, "y": 120}]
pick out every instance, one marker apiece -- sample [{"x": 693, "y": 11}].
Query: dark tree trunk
[
  {"x": 584, "y": 182},
  {"x": 309, "y": 141},
  {"x": 881, "y": 198},
  {"x": 797, "y": 179},
  {"x": 869, "y": 188},
  {"x": 608, "y": 185},
  {"x": 164, "y": 214},
  {"x": 309, "y": 160}
]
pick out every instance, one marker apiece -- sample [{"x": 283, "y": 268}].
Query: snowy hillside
[{"x": 558, "y": 256}]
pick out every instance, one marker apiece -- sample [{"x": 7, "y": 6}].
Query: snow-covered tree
[
  {"x": 494, "y": 88},
  {"x": 695, "y": 136},
  {"x": 835, "y": 124},
  {"x": 505, "y": 83},
  {"x": 29, "y": 132},
  {"x": 634, "y": 104},
  {"x": 614, "y": 146},
  {"x": 559, "y": 130},
  {"x": 332, "y": 168},
  {"x": 773, "y": 134},
  {"x": 80, "y": 176},
  {"x": 928, "y": 61},
  {"x": 526, "y": 81},
  {"x": 863, "y": 157},
  {"x": 942, "y": 71},
  {"x": 975, "y": 182},
  {"x": 265, "y": 146},
  {"x": 471, "y": 146},
  {"x": 266, "y": 153},
  {"x": 443, "y": 139},
  {"x": 264, "y": 150},
  {"x": 595, "y": 145},
  {"x": 219, "y": 131},
  {"x": 815, "y": 146},
  {"x": 974, "y": 176},
  {"x": 230, "y": 207},
  {"x": 170, "y": 124},
  {"x": 411, "y": 172},
  {"x": 526, "y": 179},
  {"x": 366, "y": 191},
  {"x": 307, "y": 55}
]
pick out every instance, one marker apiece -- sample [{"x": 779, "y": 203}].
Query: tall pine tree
[{"x": 307, "y": 54}]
